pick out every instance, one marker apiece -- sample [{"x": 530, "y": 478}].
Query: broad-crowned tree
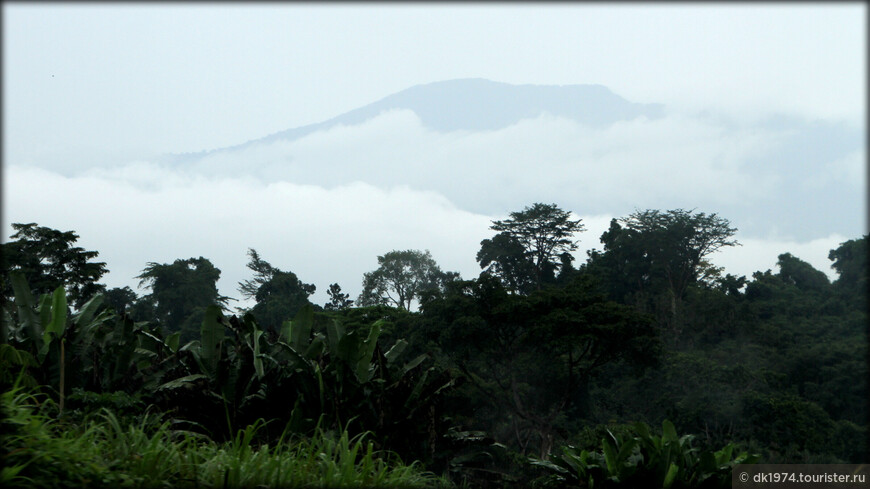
[
  {"x": 651, "y": 253},
  {"x": 280, "y": 299},
  {"x": 48, "y": 258},
  {"x": 850, "y": 262},
  {"x": 279, "y": 294},
  {"x": 263, "y": 272},
  {"x": 120, "y": 299},
  {"x": 530, "y": 356},
  {"x": 794, "y": 271},
  {"x": 526, "y": 252},
  {"x": 401, "y": 278},
  {"x": 180, "y": 292},
  {"x": 337, "y": 300}
]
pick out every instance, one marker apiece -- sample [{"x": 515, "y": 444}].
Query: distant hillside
[{"x": 482, "y": 105}]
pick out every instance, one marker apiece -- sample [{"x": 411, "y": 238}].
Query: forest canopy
[{"x": 495, "y": 380}]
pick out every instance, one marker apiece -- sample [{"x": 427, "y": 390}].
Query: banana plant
[
  {"x": 576, "y": 468},
  {"x": 621, "y": 457},
  {"x": 14, "y": 365},
  {"x": 669, "y": 457},
  {"x": 110, "y": 352},
  {"x": 42, "y": 329},
  {"x": 92, "y": 348},
  {"x": 645, "y": 459},
  {"x": 226, "y": 367},
  {"x": 28, "y": 329},
  {"x": 714, "y": 468},
  {"x": 316, "y": 369},
  {"x": 345, "y": 373}
]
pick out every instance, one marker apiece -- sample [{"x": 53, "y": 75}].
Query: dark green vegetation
[{"x": 536, "y": 373}]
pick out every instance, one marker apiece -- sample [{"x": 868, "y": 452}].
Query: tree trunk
[
  {"x": 546, "y": 443},
  {"x": 62, "y": 372}
]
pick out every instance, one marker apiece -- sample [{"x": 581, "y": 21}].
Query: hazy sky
[{"x": 93, "y": 94}]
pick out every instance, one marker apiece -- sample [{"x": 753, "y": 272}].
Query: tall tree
[
  {"x": 263, "y": 272},
  {"x": 504, "y": 257},
  {"x": 850, "y": 262},
  {"x": 181, "y": 291},
  {"x": 652, "y": 252},
  {"x": 337, "y": 300},
  {"x": 279, "y": 294},
  {"x": 794, "y": 271},
  {"x": 528, "y": 247},
  {"x": 401, "y": 278},
  {"x": 48, "y": 259},
  {"x": 677, "y": 241},
  {"x": 120, "y": 299},
  {"x": 531, "y": 356},
  {"x": 280, "y": 299}
]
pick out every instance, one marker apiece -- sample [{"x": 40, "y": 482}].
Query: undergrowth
[{"x": 37, "y": 450}]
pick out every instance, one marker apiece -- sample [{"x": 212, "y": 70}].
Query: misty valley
[{"x": 641, "y": 364}]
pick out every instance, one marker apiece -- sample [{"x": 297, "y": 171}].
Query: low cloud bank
[
  {"x": 322, "y": 235},
  {"x": 801, "y": 176},
  {"x": 144, "y": 213},
  {"x": 326, "y": 205}
]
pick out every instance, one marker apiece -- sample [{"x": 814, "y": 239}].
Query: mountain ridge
[{"x": 477, "y": 104}]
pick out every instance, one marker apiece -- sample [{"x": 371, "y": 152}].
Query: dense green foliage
[
  {"x": 640, "y": 458},
  {"x": 180, "y": 292},
  {"x": 279, "y": 294},
  {"x": 104, "y": 451},
  {"x": 49, "y": 259},
  {"x": 525, "y": 254},
  {"x": 534, "y": 373},
  {"x": 401, "y": 278}
]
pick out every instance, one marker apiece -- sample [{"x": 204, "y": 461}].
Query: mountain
[
  {"x": 478, "y": 154},
  {"x": 475, "y": 104}
]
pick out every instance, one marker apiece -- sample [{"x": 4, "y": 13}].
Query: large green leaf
[
  {"x": 396, "y": 350},
  {"x": 364, "y": 368},
  {"x": 172, "y": 341},
  {"x": 300, "y": 328},
  {"x": 320, "y": 385},
  {"x": 258, "y": 358},
  {"x": 610, "y": 458},
  {"x": 643, "y": 432},
  {"x": 44, "y": 311},
  {"x": 26, "y": 305},
  {"x": 56, "y": 324},
  {"x": 181, "y": 382},
  {"x": 316, "y": 347},
  {"x": 670, "y": 476},
  {"x": 413, "y": 400},
  {"x": 149, "y": 342},
  {"x": 297, "y": 361},
  {"x": 212, "y": 333},
  {"x": 669, "y": 433},
  {"x": 334, "y": 334},
  {"x": 86, "y": 314},
  {"x": 414, "y": 363},
  {"x": 723, "y": 456}
]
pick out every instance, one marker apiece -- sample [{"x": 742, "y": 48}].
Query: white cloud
[
  {"x": 322, "y": 235},
  {"x": 849, "y": 171},
  {"x": 670, "y": 162},
  {"x": 758, "y": 255},
  {"x": 753, "y": 254},
  {"x": 326, "y": 205}
]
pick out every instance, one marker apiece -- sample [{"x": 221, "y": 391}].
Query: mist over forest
[
  {"x": 509, "y": 246},
  {"x": 505, "y": 379}
]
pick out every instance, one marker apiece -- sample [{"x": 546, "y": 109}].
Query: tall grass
[{"x": 38, "y": 451}]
